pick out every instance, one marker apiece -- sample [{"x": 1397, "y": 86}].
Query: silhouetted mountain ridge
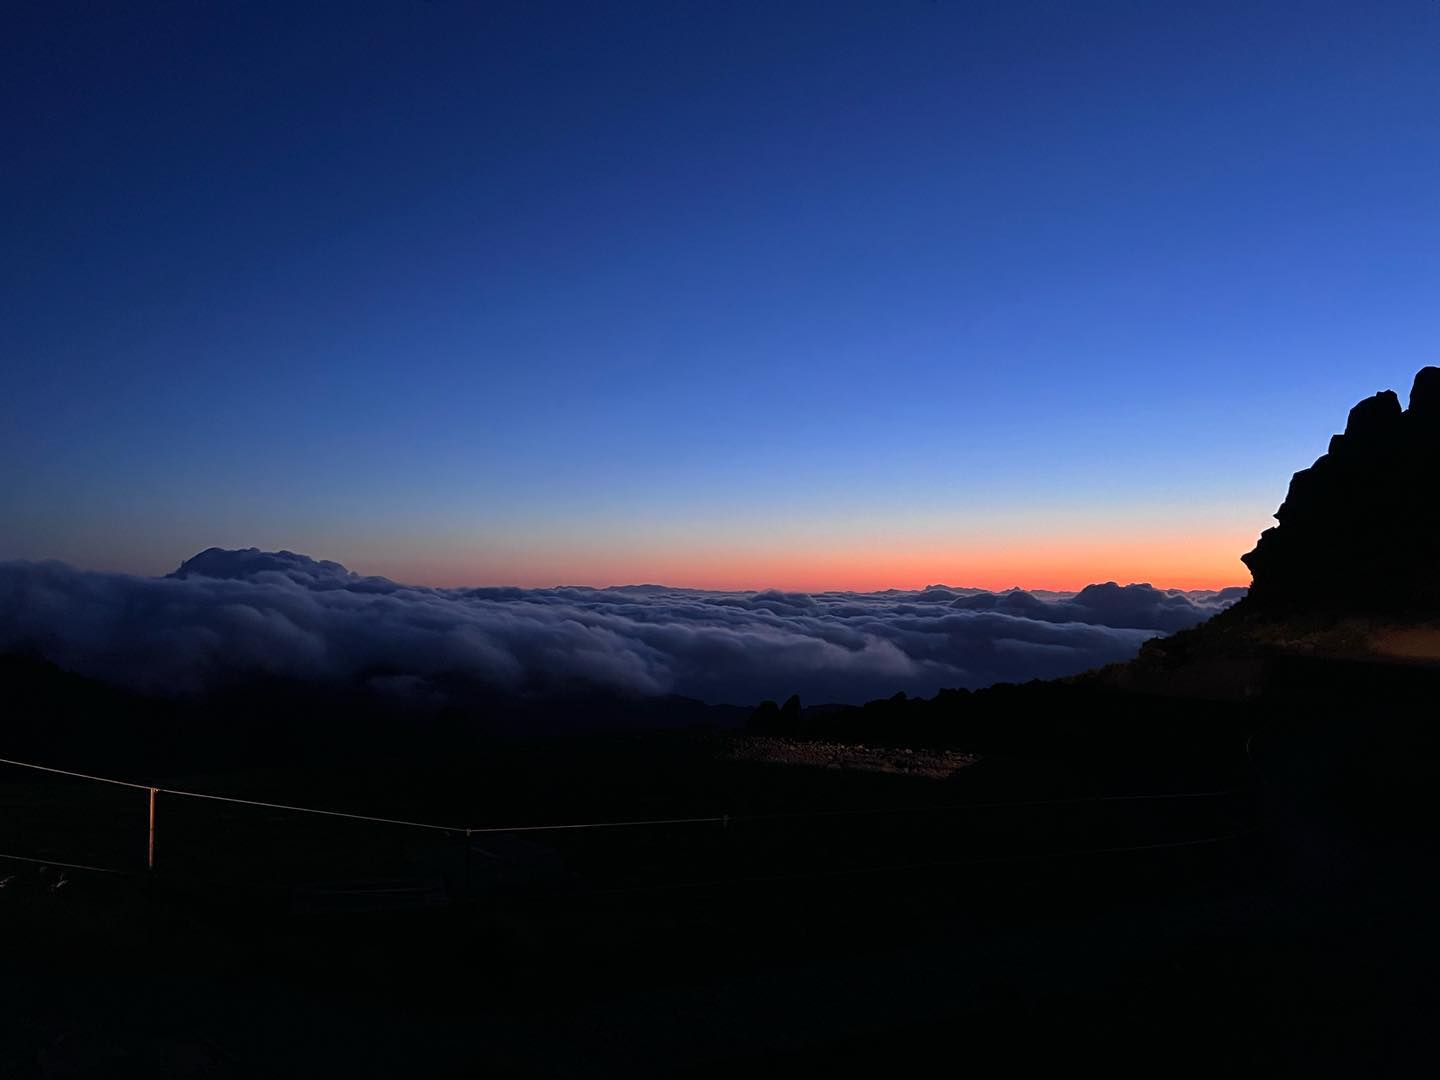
[{"x": 1359, "y": 530}]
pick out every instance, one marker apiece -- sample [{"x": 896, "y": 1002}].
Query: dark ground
[{"x": 1285, "y": 925}]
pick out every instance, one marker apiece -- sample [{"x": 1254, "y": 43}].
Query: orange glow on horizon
[{"x": 1188, "y": 560}]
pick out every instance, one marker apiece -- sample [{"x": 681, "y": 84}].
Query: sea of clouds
[{"x": 227, "y": 615}]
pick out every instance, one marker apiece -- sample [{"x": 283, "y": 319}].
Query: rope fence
[
  {"x": 61, "y": 865},
  {"x": 724, "y": 820}
]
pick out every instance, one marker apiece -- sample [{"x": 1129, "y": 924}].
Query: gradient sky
[{"x": 714, "y": 294}]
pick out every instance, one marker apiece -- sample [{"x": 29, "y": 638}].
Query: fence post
[{"x": 150, "y": 849}]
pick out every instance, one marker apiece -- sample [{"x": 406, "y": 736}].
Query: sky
[{"x": 722, "y": 295}]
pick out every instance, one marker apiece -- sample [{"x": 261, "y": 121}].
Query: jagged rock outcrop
[{"x": 1359, "y": 530}]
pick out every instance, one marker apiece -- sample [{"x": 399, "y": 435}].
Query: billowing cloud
[
  {"x": 1141, "y": 607},
  {"x": 234, "y": 614}
]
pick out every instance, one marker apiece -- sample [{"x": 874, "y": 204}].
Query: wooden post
[{"x": 150, "y": 850}]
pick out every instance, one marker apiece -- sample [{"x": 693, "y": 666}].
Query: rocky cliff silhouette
[
  {"x": 1359, "y": 530},
  {"x": 1342, "y": 620}
]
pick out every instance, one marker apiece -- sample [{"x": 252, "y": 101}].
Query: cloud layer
[{"x": 234, "y": 614}]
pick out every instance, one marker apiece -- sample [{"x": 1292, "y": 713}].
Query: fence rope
[
  {"x": 725, "y": 819},
  {"x": 601, "y": 825},
  {"x": 79, "y": 775},
  {"x": 313, "y": 810},
  {"x": 62, "y": 865}
]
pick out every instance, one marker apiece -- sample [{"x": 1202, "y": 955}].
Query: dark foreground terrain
[{"x": 995, "y": 902}]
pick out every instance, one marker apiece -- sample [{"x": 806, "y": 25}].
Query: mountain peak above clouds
[{"x": 252, "y": 564}]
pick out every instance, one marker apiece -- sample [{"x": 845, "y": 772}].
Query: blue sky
[{"x": 720, "y": 294}]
